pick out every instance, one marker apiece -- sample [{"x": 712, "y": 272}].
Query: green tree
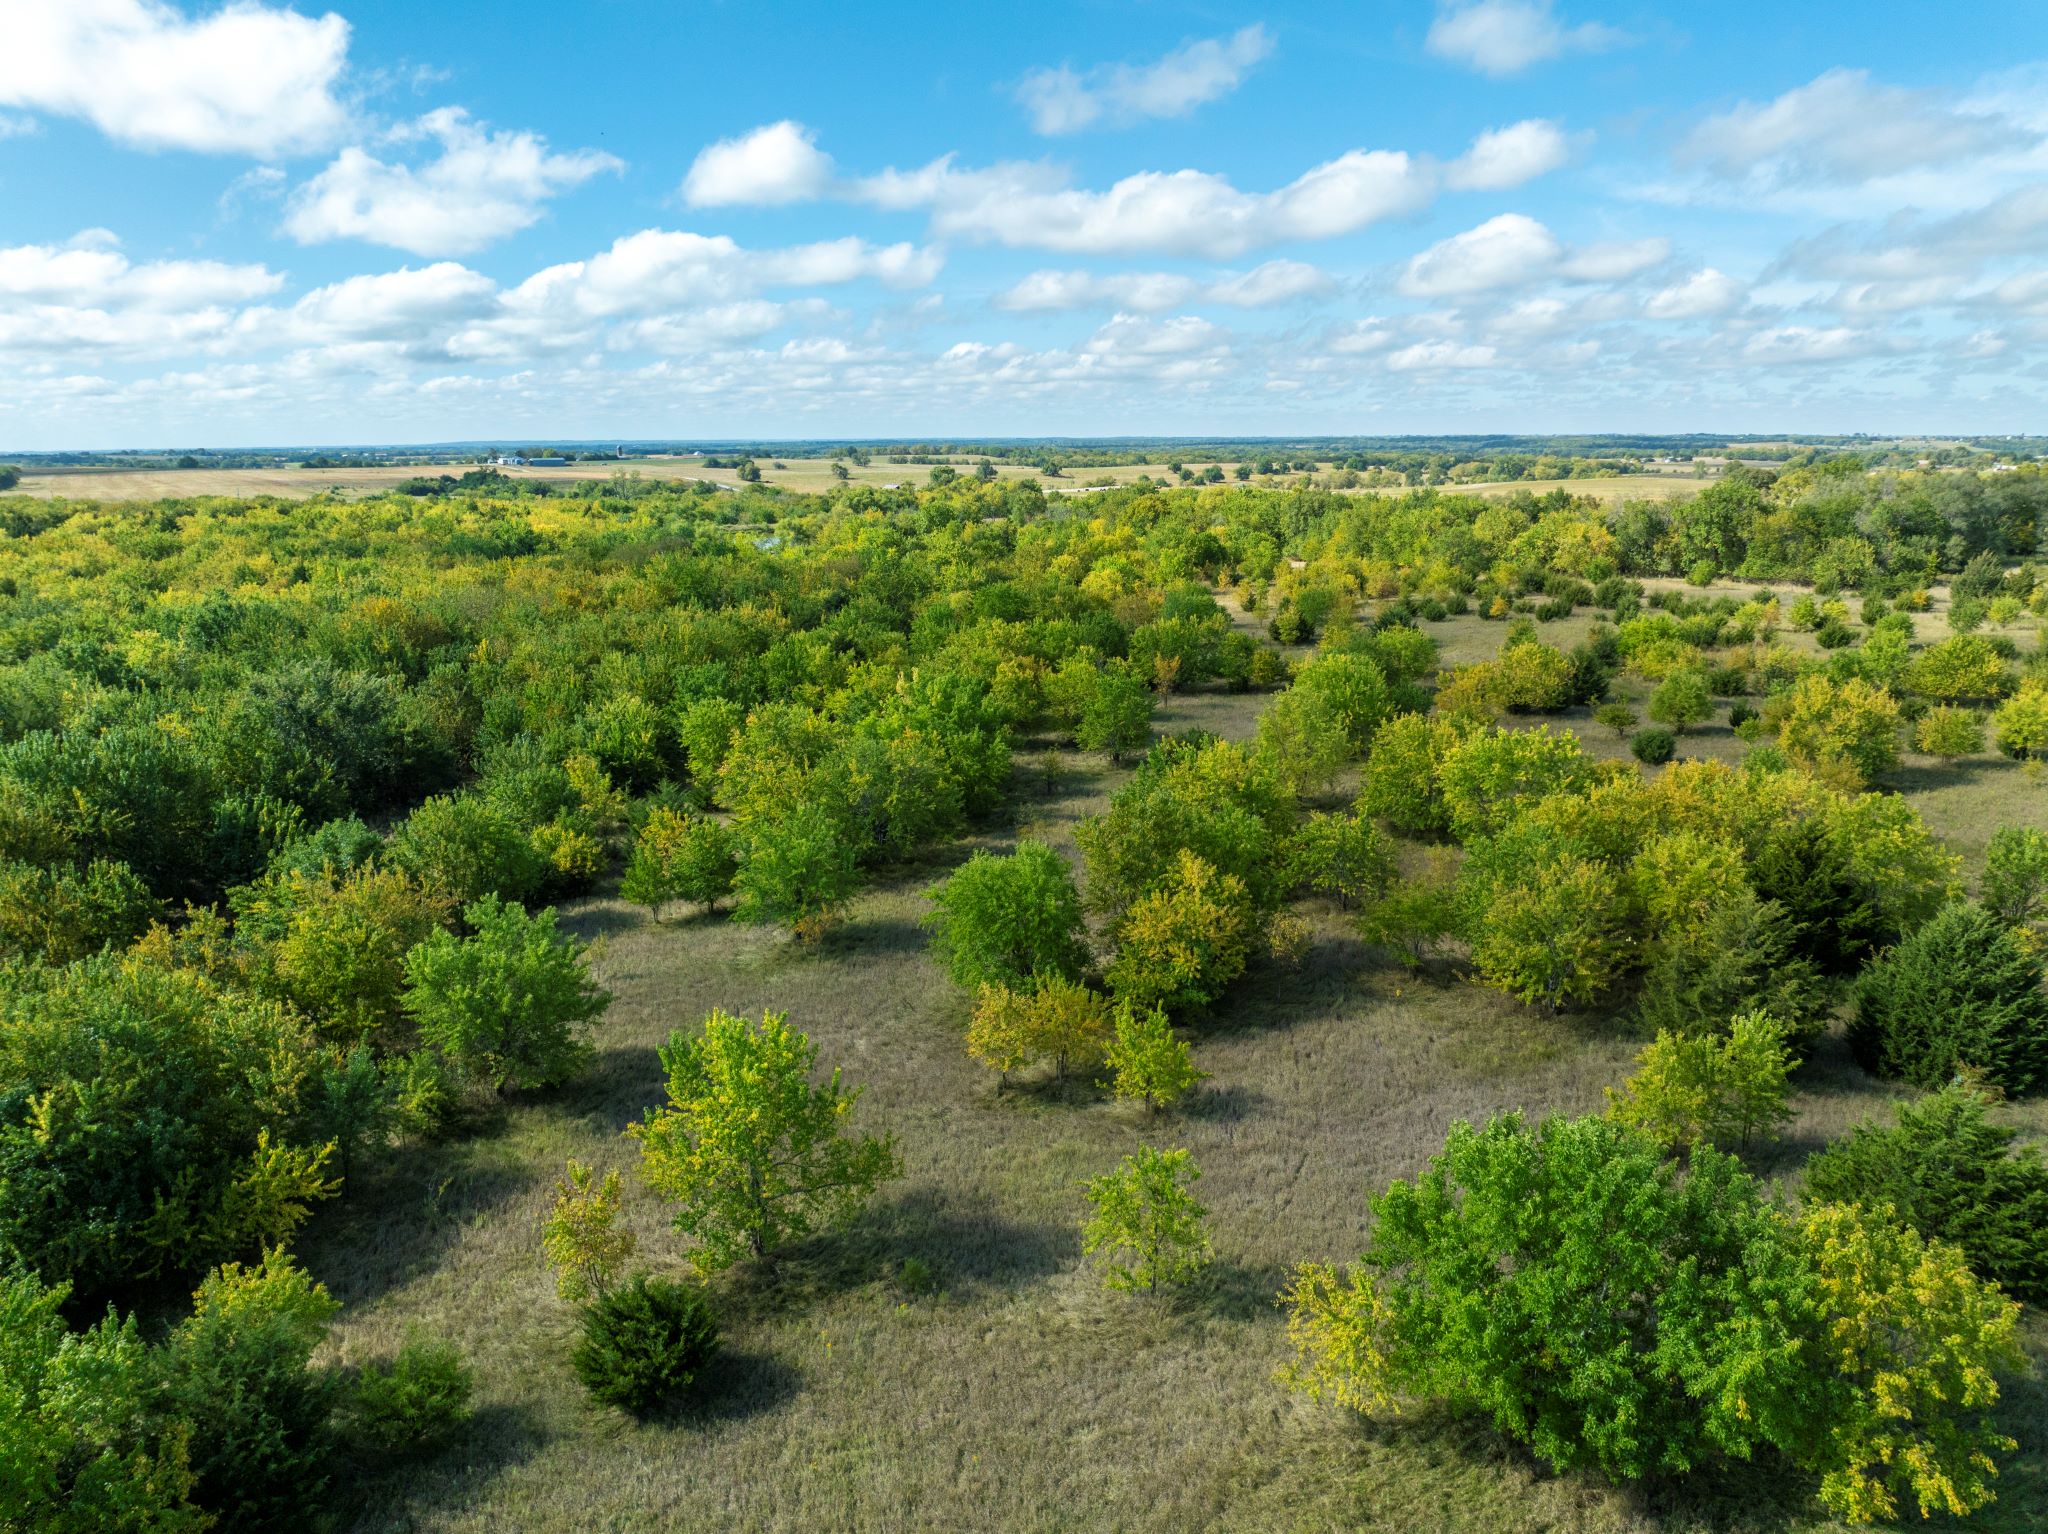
[
  {"x": 1960, "y": 992},
  {"x": 1947, "y": 731},
  {"x": 1402, "y": 783},
  {"x": 1744, "y": 957},
  {"x": 1053, "y": 1019},
  {"x": 239, "y": 1370},
  {"x": 1963, "y": 669},
  {"x": 1848, "y": 732},
  {"x": 1681, "y": 699},
  {"x": 58, "y": 915},
  {"x": 1487, "y": 1285},
  {"x": 2020, "y": 727},
  {"x": 1554, "y": 937},
  {"x": 2016, "y": 875},
  {"x": 1117, "y": 716},
  {"x": 1915, "y": 1348},
  {"x": 751, "y": 1149},
  {"x": 467, "y": 847},
  {"x": 796, "y": 869},
  {"x": 1148, "y": 1221},
  {"x": 1343, "y": 856},
  {"x": 1153, "y": 1064},
  {"x": 1002, "y": 920},
  {"x": 84, "y": 1450},
  {"x": 1726, "y": 1091},
  {"x": 1491, "y": 775},
  {"x": 507, "y": 1004},
  {"x": 1954, "y": 1176}
]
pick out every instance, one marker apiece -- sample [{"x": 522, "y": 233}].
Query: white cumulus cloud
[
  {"x": 1512, "y": 250},
  {"x": 1178, "y": 212},
  {"x": 248, "y": 79},
  {"x": 481, "y": 187},
  {"x": 1505, "y": 37},
  {"x": 776, "y": 164},
  {"x": 1063, "y": 100},
  {"x": 1507, "y": 157}
]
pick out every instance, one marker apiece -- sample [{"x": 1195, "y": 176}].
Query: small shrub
[
  {"x": 1618, "y": 717},
  {"x": 1653, "y": 746},
  {"x": 415, "y": 1403},
  {"x": 1949, "y": 731},
  {"x": 1834, "y": 635},
  {"x": 644, "y": 1343}
]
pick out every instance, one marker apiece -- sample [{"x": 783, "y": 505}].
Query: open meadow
[{"x": 1016, "y": 1393}]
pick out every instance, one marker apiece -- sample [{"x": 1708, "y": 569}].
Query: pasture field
[
  {"x": 1018, "y": 1394},
  {"x": 804, "y": 475}
]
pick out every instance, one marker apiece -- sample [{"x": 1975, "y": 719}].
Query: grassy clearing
[
  {"x": 1618, "y": 487},
  {"x": 1021, "y": 1396}
]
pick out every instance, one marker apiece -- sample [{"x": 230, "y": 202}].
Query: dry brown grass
[{"x": 1021, "y": 1396}]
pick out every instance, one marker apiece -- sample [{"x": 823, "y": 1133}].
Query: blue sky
[{"x": 418, "y": 222}]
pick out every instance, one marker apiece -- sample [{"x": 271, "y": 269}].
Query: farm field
[{"x": 800, "y": 475}]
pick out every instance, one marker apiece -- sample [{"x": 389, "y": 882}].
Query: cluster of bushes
[
  {"x": 1713, "y": 890},
  {"x": 1835, "y": 1338},
  {"x": 226, "y": 1423}
]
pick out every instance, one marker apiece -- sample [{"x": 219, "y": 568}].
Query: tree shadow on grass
[
  {"x": 734, "y": 1387},
  {"x": 399, "y": 1491},
  {"x": 1922, "y": 777},
  {"x": 956, "y": 1253},
  {"x": 590, "y": 922},
  {"x": 1275, "y": 996},
  {"x": 1241, "y": 1291},
  {"x": 876, "y": 937},
  {"x": 1222, "y": 1105},
  {"x": 406, "y": 1212},
  {"x": 1765, "y": 1496}
]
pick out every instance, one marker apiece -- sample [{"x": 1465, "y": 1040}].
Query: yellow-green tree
[
  {"x": 752, "y": 1150},
  {"x": 1723, "y": 1090},
  {"x": 1182, "y": 944},
  {"x": 583, "y": 1239}
]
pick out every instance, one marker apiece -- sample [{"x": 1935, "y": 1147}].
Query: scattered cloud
[
  {"x": 1513, "y": 250},
  {"x": 777, "y": 164},
  {"x": 1191, "y": 213},
  {"x": 1702, "y": 295},
  {"x": 1792, "y": 344},
  {"x": 85, "y": 297},
  {"x": 1505, "y": 37},
  {"x": 1844, "y": 127},
  {"x": 1430, "y": 356},
  {"x": 1063, "y": 100},
  {"x": 1264, "y": 286},
  {"x": 1507, "y": 157},
  {"x": 248, "y": 79},
  {"x": 481, "y": 187}
]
